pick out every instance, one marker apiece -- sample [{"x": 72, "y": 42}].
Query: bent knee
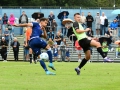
[{"x": 88, "y": 57}]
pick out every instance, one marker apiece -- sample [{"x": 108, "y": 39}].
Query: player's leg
[
  {"x": 49, "y": 52},
  {"x": 99, "y": 49},
  {"x": 83, "y": 62}
]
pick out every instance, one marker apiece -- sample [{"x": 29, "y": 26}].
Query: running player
[
  {"x": 84, "y": 42},
  {"x": 36, "y": 42}
]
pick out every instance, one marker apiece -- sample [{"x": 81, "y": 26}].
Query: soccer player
[
  {"x": 36, "y": 42},
  {"x": 84, "y": 42}
]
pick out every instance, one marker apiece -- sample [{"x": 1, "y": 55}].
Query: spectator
[
  {"x": 109, "y": 35},
  {"x": 26, "y": 51},
  {"x": 55, "y": 52},
  {"x": 54, "y": 26},
  {"x": 63, "y": 27},
  {"x": 51, "y": 17},
  {"x": 11, "y": 22},
  {"x": 114, "y": 26},
  {"x": 118, "y": 20},
  {"x": 5, "y": 20},
  {"x": 50, "y": 34},
  {"x": 105, "y": 47},
  {"x": 62, "y": 49},
  {"x": 118, "y": 50},
  {"x": 23, "y": 19},
  {"x": 97, "y": 23},
  {"x": 89, "y": 20},
  {"x": 78, "y": 50},
  {"x": 102, "y": 22},
  {"x": 67, "y": 53},
  {"x": 58, "y": 38},
  {"x": 10, "y": 27},
  {"x": 6, "y": 35},
  {"x": 0, "y": 25},
  {"x": 4, "y": 49},
  {"x": 15, "y": 44},
  {"x": 83, "y": 19}
]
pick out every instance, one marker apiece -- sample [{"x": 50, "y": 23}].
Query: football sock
[
  {"x": 50, "y": 55},
  {"x": 30, "y": 55},
  {"x": 42, "y": 63},
  {"x": 83, "y": 62},
  {"x": 34, "y": 57},
  {"x": 99, "y": 49}
]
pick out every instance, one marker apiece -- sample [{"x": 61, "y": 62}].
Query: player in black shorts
[{"x": 84, "y": 42}]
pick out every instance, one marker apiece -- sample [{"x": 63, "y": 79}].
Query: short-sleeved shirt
[
  {"x": 102, "y": 19},
  {"x": 58, "y": 42}
]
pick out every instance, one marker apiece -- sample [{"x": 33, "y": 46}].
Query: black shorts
[{"x": 85, "y": 44}]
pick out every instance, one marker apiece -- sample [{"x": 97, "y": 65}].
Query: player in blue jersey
[{"x": 36, "y": 42}]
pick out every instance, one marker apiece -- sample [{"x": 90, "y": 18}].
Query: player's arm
[
  {"x": 76, "y": 26},
  {"x": 44, "y": 35},
  {"x": 23, "y": 25}
]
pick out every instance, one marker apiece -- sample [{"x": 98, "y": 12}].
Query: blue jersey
[
  {"x": 36, "y": 31},
  {"x": 36, "y": 43}
]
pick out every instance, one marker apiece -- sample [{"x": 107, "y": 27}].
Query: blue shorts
[
  {"x": 55, "y": 54},
  {"x": 26, "y": 51},
  {"x": 67, "y": 55},
  {"x": 36, "y": 44}
]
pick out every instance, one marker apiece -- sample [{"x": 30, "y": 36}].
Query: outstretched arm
[{"x": 23, "y": 25}]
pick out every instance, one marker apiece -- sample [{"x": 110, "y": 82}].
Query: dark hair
[
  {"x": 76, "y": 14},
  {"x": 43, "y": 19}
]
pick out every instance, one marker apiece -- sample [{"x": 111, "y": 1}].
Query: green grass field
[{"x": 94, "y": 76}]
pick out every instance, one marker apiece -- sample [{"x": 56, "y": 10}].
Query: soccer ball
[{"x": 44, "y": 56}]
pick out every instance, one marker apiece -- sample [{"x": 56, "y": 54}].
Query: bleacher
[{"x": 95, "y": 57}]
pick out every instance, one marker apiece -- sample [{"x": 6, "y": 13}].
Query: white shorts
[{"x": 79, "y": 51}]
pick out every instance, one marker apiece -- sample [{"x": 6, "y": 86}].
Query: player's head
[
  {"x": 77, "y": 17},
  {"x": 43, "y": 22}
]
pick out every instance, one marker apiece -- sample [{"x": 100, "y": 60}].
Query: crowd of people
[{"x": 55, "y": 38}]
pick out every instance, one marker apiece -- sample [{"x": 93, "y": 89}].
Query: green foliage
[{"x": 66, "y": 3}]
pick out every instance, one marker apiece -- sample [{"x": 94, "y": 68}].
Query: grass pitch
[{"x": 94, "y": 76}]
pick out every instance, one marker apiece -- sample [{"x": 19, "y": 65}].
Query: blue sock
[
  {"x": 42, "y": 63},
  {"x": 50, "y": 55}
]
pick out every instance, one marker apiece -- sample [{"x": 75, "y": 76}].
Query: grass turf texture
[{"x": 25, "y": 76}]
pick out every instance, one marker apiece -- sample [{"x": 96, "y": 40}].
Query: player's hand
[
  {"x": 43, "y": 28},
  {"x": 87, "y": 29}
]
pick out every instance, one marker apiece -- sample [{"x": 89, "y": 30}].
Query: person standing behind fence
[
  {"x": 54, "y": 26},
  {"x": 89, "y": 20},
  {"x": 23, "y": 19},
  {"x": 114, "y": 26},
  {"x": 118, "y": 20},
  {"x": 11, "y": 22},
  {"x": 0, "y": 25},
  {"x": 83, "y": 19},
  {"x": 67, "y": 52},
  {"x": 6, "y": 35},
  {"x": 51, "y": 17},
  {"x": 97, "y": 23},
  {"x": 102, "y": 22},
  {"x": 5, "y": 20},
  {"x": 4, "y": 49},
  {"x": 15, "y": 44}
]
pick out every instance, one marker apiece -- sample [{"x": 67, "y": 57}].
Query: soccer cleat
[
  {"x": 50, "y": 73},
  {"x": 78, "y": 71},
  {"x": 51, "y": 66},
  {"x": 106, "y": 59}
]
